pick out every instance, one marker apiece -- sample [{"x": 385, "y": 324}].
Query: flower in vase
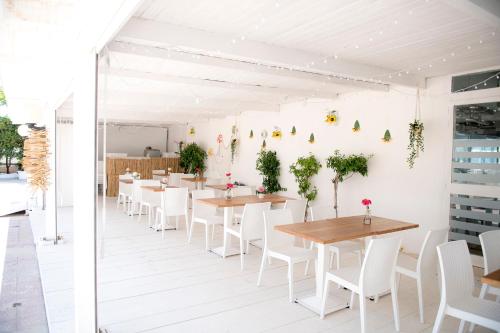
[
  {"x": 229, "y": 186},
  {"x": 164, "y": 180},
  {"x": 366, "y": 203},
  {"x": 228, "y": 174},
  {"x": 261, "y": 189}
]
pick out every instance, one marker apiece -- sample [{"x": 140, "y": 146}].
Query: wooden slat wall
[{"x": 144, "y": 166}]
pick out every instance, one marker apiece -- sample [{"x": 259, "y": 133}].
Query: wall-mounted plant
[
  {"x": 192, "y": 131},
  {"x": 387, "y": 136},
  {"x": 268, "y": 166},
  {"x": 416, "y": 144},
  {"x": 331, "y": 117},
  {"x": 356, "y": 127},
  {"x": 311, "y": 138},
  {"x": 277, "y": 134},
  {"x": 234, "y": 147},
  {"x": 251, "y": 134},
  {"x": 192, "y": 159},
  {"x": 294, "y": 131},
  {"x": 303, "y": 170},
  {"x": 344, "y": 167},
  {"x": 263, "y": 145}
]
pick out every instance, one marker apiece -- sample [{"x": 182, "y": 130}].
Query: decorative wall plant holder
[
  {"x": 251, "y": 134},
  {"x": 331, "y": 117},
  {"x": 294, "y": 131},
  {"x": 387, "y": 137},
  {"x": 311, "y": 138},
  {"x": 192, "y": 131},
  {"x": 277, "y": 134},
  {"x": 356, "y": 127}
]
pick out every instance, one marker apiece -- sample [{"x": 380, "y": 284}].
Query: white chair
[
  {"x": 240, "y": 191},
  {"x": 376, "y": 276},
  {"x": 145, "y": 198},
  {"x": 250, "y": 228},
  {"x": 424, "y": 268},
  {"x": 214, "y": 181},
  {"x": 280, "y": 245},
  {"x": 174, "y": 179},
  {"x": 174, "y": 204},
  {"x": 204, "y": 214},
  {"x": 136, "y": 196},
  {"x": 457, "y": 286},
  {"x": 490, "y": 243},
  {"x": 318, "y": 213},
  {"x": 298, "y": 208},
  {"x": 122, "y": 188}
]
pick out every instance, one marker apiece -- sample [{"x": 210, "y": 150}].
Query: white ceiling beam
[
  {"x": 487, "y": 11},
  {"x": 230, "y": 85},
  {"x": 219, "y": 47}
]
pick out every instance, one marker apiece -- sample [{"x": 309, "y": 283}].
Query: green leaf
[
  {"x": 11, "y": 143},
  {"x": 344, "y": 166},
  {"x": 268, "y": 166},
  {"x": 303, "y": 170},
  {"x": 192, "y": 157}
]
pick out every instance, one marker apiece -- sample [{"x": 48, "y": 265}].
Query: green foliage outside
[
  {"x": 192, "y": 158},
  {"x": 303, "y": 170},
  {"x": 268, "y": 166},
  {"x": 344, "y": 167},
  {"x": 11, "y": 143}
]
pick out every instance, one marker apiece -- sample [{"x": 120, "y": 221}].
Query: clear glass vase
[
  {"x": 228, "y": 194},
  {"x": 367, "y": 219}
]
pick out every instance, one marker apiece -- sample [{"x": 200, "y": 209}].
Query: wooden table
[
  {"x": 127, "y": 181},
  {"x": 228, "y": 206},
  {"x": 492, "y": 279},
  {"x": 335, "y": 230},
  {"x": 197, "y": 180}
]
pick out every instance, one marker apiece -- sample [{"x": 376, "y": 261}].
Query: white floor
[{"x": 147, "y": 284}]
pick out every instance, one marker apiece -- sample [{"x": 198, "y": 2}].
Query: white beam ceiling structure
[{"x": 194, "y": 60}]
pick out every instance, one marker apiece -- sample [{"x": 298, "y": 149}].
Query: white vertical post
[
  {"x": 84, "y": 187},
  {"x": 50, "y": 233}
]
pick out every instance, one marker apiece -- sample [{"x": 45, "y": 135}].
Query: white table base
[
  {"x": 313, "y": 303},
  {"x": 231, "y": 251}
]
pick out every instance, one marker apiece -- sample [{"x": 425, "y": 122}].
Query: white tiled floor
[{"x": 147, "y": 284}]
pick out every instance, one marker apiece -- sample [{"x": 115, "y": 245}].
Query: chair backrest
[
  {"x": 377, "y": 271},
  {"x": 138, "y": 192},
  {"x": 201, "y": 209},
  {"x": 427, "y": 259},
  {"x": 274, "y": 238},
  {"x": 297, "y": 208},
  {"x": 252, "y": 220},
  {"x": 190, "y": 185},
  {"x": 490, "y": 243},
  {"x": 457, "y": 277},
  {"x": 318, "y": 213},
  {"x": 175, "y": 201},
  {"x": 174, "y": 179},
  {"x": 239, "y": 191},
  {"x": 125, "y": 176}
]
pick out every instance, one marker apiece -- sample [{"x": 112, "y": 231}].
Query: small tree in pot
[
  {"x": 303, "y": 170},
  {"x": 268, "y": 166},
  {"x": 11, "y": 143},
  {"x": 345, "y": 166},
  {"x": 192, "y": 159}
]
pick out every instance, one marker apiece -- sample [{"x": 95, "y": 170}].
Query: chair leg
[
  {"x": 187, "y": 223},
  {"x": 190, "y": 234},
  {"x": 420, "y": 299},
  {"x": 395, "y": 306},
  {"x": 162, "y": 217},
  {"x": 242, "y": 252},
  {"x": 482, "y": 293},
  {"x": 362, "y": 312},
  {"x": 360, "y": 258},
  {"x": 337, "y": 259},
  {"x": 177, "y": 223},
  {"x": 323, "y": 299},
  {"x": 353, "y": 299},
  {"x": 213, "y": 231},
  {"x": 247, "y": 251},
  {"x": 118, "y": 201},
  {"x": 290, "y": 281},
  {"x": 439, "y": 318},
  {"x": 139, "y": 216},
  {"x": 225, "y": 244},
  {"x": 207, "y": 239},
  {"x": 262, "y": 264},
  {"x": 461, "y": 327},
  {"x": 306, "y": 271},
  {"x": 330, "y": 265}
]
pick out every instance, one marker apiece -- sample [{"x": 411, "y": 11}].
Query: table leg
[{"x": 226, "y": 248}]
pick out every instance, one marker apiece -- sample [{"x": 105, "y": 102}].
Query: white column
[
  {"x": 51, "y": 201},
  {"x": 84, "y": 187}
]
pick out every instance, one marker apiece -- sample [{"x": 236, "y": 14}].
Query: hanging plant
[
  {"x": 294, "y": 131},
  {"x": 387, "y": 136},
  {"x": 251, "y": 134},
  {"x": 234, "y": 146},
  {"x": 277, "y": 133},
  {"x": 331, "y": 117},
  {"x": 311, "y": 138},
  {"x": 416, "y": 144},
  {"x": 303, "y": 170},
  {"x": 356, "y": 127},
  {"x": 268, "y": 166}
]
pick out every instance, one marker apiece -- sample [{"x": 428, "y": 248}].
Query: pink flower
[
  {"x": 229, "y": 186},
  {"x": 164, "y": 180},
  {"x": 366, "y": 202},
  {"x": 228, "y": 174},
  {"x": 261, "y": 189}
]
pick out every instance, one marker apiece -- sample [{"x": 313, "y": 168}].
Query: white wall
[
  {"x": 417, "y": 195},
  {"x": 176, "y": 133}
]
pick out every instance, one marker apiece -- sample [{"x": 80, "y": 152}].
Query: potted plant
[
  {"x": 261, "y": 192},
  {"x": 344, "y": 167},
  {"x": 416, "y": 144},
  {"x": 268, "y": 166},
  {"x": 303, "y": 170},
  {"x": 192, "y": 159}
]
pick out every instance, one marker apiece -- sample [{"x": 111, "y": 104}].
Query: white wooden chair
[
  {"x": 318, "y": 213},
  {"x": 490, "y": 244},
  {"x": 376, "y": 276},
  {"x": 136, "y": 197},
  {"x": 122, "y": 190},
  {"x": 423, "y": 269},
  {"x": 174, "y": 204},
  {"x": 145, "y": 198},
  {"x": 251, "y": 227},
  {"x": 457, "y": 286},
  {"x": 204, "y": 214},
  {"x": 298, "y": 208},
  {"x": 240, "y": 191},
  {"x": 280, "y": 245}
]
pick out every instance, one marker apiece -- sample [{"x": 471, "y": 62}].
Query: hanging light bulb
[{"x": 23, "y": 130}]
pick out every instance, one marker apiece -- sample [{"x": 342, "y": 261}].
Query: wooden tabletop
[
  {"x": 219, "y": 187},
  {"x": 127, "y": 181},
  {"x": 343, "y": 228},
  {"x": 156, "y": 188},
  {"x": 195, "y": 180},
  {"x": 492, "y": 279},
  {"x": 243, "y": 200}
]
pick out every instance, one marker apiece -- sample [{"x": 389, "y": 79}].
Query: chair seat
[
  {"x": 407, "y": 265},
  {"x": 484, "y": 312},
  {"x": 292, "y": 253},
  {"x": 209, "y": 219},
  {"x": 347, "y": 277}
]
